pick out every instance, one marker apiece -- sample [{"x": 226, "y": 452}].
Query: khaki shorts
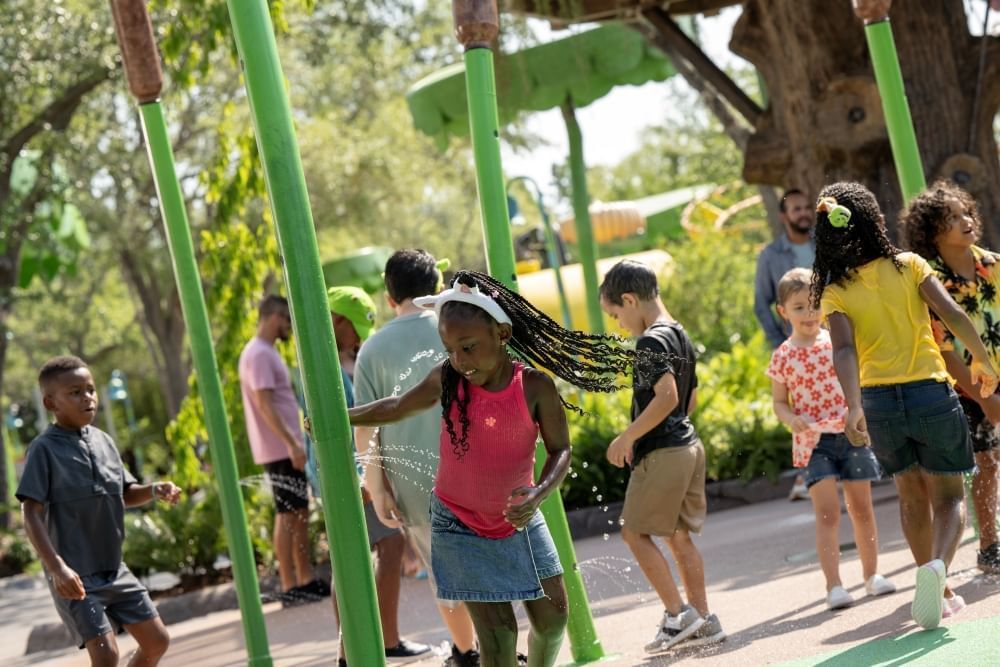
[{"x": 666, "y": 492}]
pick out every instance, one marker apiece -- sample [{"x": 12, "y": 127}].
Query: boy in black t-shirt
[
  {"x": 73, "y": 494},
  {"x": 666, "y": 490}
]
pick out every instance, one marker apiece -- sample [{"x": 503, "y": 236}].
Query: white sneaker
[
  {"x": 838, "y": 598},
  {"x": 952, "y": 606},
  {"x": 675, "y": 629},
  {"x": 879, "y": 585},
  {"x": 799, "y": 490},
  {"x": 928, "y": 597}
]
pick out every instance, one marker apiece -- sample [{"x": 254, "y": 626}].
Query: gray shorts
[
  {"x": 112, "y": 597},
  {"x": 377, "y": 531}
]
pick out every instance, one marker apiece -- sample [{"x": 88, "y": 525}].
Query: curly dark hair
[
  {"x": 593, "y": 362},
  {"x": 928, "y": 214},
  {"x": 840, "y": 250}
]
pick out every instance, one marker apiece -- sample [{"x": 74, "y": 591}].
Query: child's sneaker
[
  {"x": 928, "y": 599},
  {"x": 458, "y": 659},
  {"x": 838, "y": 598},
  {"x": 710, "y": 632},
  {"x": 675, "y": 629},
  {"x": 988, "y": 560},
  {"x": 879, "y": 585},
  {"x": 405, "y": 651},
  {"x": 799, "y": 490},
  {"x": 952, "y": 606}
]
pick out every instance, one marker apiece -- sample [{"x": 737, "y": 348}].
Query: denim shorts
[
  {"x": 835, "y": 456},
  {"x": 918, "y": 424},
  {"x": 473, "y": 568}
]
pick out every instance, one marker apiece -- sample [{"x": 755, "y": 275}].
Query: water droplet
[
  {"x": 585, "y": 464},
  {"x": 606, "y": 537},
  {"x": 593, "y": 489},
  {"x": 599, "y": 497}
]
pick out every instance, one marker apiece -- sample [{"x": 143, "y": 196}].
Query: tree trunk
[{"x": 824, "y": 122}]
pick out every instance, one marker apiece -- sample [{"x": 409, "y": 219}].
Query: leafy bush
[
  {"x": 16, "y": 554},
  {"x": 743, "y": 439},
  {"x": 592, "y": 480}
]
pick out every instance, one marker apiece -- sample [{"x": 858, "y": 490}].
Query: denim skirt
[{"x": 473, "y": 568}]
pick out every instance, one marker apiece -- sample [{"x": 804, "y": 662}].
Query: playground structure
[{"x": 476, "y": 24}]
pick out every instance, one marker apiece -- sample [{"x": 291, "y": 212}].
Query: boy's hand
[
  {"x": 856, "y": 428},
  {"x": 67, "y": 582},
  {"x": 800, "y": 424},
  {"x": 522, "y": 505},
  {"x": 386, "y": 509},
  {"x": 620, "y": 451},
  {"x": 167, "y": 491},
  {"x": 297, "y": 455},
  {"x": 985, "y": 376}
]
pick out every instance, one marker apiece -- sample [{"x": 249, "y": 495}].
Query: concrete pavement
[{"x": 763, "y": 582}]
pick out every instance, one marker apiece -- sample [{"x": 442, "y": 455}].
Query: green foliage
[
  {"x": 607, "y": 415},
  {"x": 743, "y": 439},
  {"x": 16, "y": 554}
]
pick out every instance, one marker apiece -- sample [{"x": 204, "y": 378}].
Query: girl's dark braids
[
  {"x": 840, "y": 250},
  {"x": 451, "y": 381}
]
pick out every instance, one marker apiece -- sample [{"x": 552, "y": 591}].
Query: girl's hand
[
  {"x": 800, "y": 424},
  {"x": 991, "y": 408},
  {"x": 522, "y": 505},
  {"x": 67, "y": 582},
  {"x": 620, "y": 451},
  {"x": 856, "y": 428},
  {"x": 984, "y": 375},
  {"x": 167, "y": 491}
]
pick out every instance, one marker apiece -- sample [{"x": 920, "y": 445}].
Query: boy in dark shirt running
[
  {"x": 666, "y": 490},
  {"x": 73, "y": 494}
]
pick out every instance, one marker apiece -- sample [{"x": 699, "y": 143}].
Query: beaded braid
[{"x": 840, "y": 250}]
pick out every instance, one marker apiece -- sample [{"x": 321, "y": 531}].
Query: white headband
[{"x": 465, "y": 294}]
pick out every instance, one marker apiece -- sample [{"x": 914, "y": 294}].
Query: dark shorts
[
  {"x": 377, "y": 531},
  {"x": 835, "y": 456},
  {"x": 985, "y": 436},
  {"x": 112, "y": 597},
  {"x": 288, "y": 486},
  {"x": 918, "y": 424}
]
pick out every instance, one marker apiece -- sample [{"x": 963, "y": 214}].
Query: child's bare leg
[
  {"x": 301, "y": 549},
  {"x": 826, "y": 507},
  {"x": 103, "y": 650},
  {"x": 858, "y": 496},
  {"x": 548, "y": 618},
  {"x": 947, "y": 494},
  {"x": 496, "y": 628},
  {"x": 691, "y": 567},
  {"x": 459, "y": 623},
  {"x": 984, "y": 495},
  {"x": 388, "y": 573},
  {"x": 654, "y": 566},
  {"x": 153, "y": 641},
  {"x": 283, "y": 522},
  {"x": 915, "y": 514}
]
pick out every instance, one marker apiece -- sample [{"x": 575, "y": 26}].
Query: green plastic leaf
[{"x": 24, "y": 174}]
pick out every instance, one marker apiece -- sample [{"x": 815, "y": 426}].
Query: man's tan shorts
[{"x": 667, "y": 491}]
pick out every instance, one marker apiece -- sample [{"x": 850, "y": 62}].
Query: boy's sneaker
[
  {"x": 799, "y": 490},
  {"x": 458, "y": 659},
  {"x": 710, "y": 632},
  {"x": 675, "y": 629},
  {"x": 952, "y": 606},
  {"x": 406, "y": 650},
  {"x": 879, "y": 585},
  {"x": 988, "y": 559},
  {"x": 838, "y": 598},
  {"x": 316, "y": 587},
  {"x": 928, "y": 599}
]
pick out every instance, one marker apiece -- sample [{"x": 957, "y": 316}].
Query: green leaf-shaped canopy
[{"x": 583, "y": 67}]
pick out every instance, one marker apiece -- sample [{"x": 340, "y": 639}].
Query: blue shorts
[
  {"x": 836, "y": 457},
  {"x": 473, "y": 568},
  {"x": 918, "y": 424}
]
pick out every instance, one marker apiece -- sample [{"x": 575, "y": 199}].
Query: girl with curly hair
[
  {"x": 899, "y": 397},
  {"x": 942, "y": 224}
]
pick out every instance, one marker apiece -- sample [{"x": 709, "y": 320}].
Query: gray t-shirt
[
  {"x": 397, "y": 357},
  {"x": 805, "y": 254},
  {"x": 79, "y": 477}
]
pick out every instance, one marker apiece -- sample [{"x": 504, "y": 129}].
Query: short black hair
[
  {"x": 791, "y": 192},
  {"x": 410, "y": 273},
  {"x": 56, "y": 366},
  {"x": 270, "y": 304},
  {"x": 629, "y": 277}
]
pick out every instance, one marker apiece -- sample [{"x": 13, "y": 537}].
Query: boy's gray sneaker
[
  {"x": 710, "y": 632},
  {"x": 675, "y": 629}
]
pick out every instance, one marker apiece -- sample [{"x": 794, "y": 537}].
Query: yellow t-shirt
[{"x": 892, "y": 326}]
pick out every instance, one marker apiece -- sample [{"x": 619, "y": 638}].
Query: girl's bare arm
[{"x": 394, "y": 408}]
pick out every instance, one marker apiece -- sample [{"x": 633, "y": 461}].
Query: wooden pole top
[
  {"x": 872, "y": 11},
  {"x": 477, "y": 23},
  {"x": 138, "y": 48}
]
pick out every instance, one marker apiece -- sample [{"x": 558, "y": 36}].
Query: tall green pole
[
  {"x": 586, "y": 244},
  {"x": 477, "y": 25},
  {"x": 324, "y": 390},
  {"x": 142, "y": 67},
  {"x": 889, "y": 78}
]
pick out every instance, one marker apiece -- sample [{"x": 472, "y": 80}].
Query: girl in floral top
[
  {"x": 808, "y": 399},
  {"x": 943, "y": 225}
]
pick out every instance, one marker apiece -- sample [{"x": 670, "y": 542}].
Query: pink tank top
[{"x": 500, "y": 458}]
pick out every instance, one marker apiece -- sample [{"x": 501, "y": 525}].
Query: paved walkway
[{"x": 763, "y": 580}]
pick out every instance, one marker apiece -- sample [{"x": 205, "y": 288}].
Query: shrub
[
  {"x": 592, "y": 480},
  {"x": 16, "y": 554}
]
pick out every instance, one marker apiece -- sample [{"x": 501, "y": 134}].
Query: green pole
[
  {"x": 219, "y": 438},
  {"x": 477, "y": 24},
  {"x": 898, "y": 122},
  {"x": 142, "y": 68},
  {"x": 324, "y": 390},
  {"x": 586, "y": 245}
]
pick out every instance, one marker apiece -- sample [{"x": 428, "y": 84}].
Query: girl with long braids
[
  {"x": 898, "y": 391},
  {"x": 489, "y": 544}
]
